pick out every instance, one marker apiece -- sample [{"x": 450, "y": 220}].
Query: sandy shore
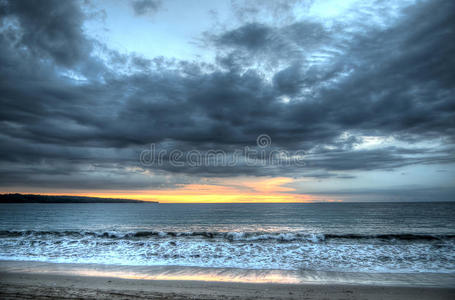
[
  {"x": 41, "y": 280},
  {"x": 51, "y": 286}
]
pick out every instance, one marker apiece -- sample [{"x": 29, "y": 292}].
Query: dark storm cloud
[
  {"x": 64, "y": 109},
  {"x": 142, "y": 7},
  {"x": 385, "y": 159},
  {"x": 252, "y": 37},
  {"x": 48, "y": 28},
  {"x": 290, "y": 80},
  {"x": 270, "y": 46},
  {"x": 260, "y": 37},
  {"x": 279, "y": 10}
]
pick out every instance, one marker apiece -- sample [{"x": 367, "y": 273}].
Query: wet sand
[
  {"x": 33, "y": 280},
  {"x": 47, "y": 286}
]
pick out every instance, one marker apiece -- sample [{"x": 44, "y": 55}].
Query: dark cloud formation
[
  {"x": 48, "y": 30},
  {"x": 256, "y": 43},
  {"x": 72, "y": 119},
  {"x": 142, "y": 7},
  {"x": 279, "y": 10}
]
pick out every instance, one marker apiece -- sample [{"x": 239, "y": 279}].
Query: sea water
[{"x": 394, "y": 238}]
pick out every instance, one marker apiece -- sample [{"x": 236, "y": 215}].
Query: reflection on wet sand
[
  {"x": 228, "y": 274},
  {"x": 157, "y": 273}
]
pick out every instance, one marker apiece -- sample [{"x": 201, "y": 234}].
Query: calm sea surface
[{"x": 347, "y": 237}]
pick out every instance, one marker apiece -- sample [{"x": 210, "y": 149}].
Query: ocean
[{"x": 406, "y": 238}]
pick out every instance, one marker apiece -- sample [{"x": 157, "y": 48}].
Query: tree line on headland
[{"x": 32, "y": 198}]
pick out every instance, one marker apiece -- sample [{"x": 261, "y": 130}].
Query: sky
[{"x": 229, "y": 101}]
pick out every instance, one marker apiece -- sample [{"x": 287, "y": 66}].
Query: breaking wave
[{"x": 229, "y": 236}]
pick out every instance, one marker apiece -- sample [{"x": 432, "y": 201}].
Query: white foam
[{"x": 240, "y": 250}]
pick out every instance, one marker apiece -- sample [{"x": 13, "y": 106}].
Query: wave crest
[{"x": 230, "y": 236}]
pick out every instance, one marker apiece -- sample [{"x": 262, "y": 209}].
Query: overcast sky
[{"x": 361, "y": 93}]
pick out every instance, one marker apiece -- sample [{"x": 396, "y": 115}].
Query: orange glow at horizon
[{"x": 269, "y": 190}]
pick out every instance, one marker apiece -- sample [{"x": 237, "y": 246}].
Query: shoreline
[
  {"x": 49, "y": 286},
  {"x": 228, "y": 274},
  {"x": 19, "y": 279}
]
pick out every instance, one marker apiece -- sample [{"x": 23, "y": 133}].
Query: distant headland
[{"x": 32, "y": 198}]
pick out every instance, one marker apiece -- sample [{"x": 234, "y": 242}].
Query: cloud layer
[{"x": 76, "y": 113}]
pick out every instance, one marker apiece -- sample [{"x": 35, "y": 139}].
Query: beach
[
  {"x": 46, "y": 286},
  {"x": 33, "y": 280}
]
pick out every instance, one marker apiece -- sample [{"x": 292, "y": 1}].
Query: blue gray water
[{"x": 346, "y": 237}]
